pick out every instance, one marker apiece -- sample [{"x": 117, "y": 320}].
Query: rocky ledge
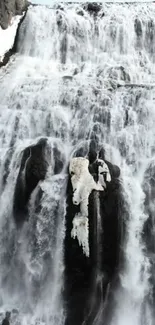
[
  {"x": 9, "y": 9},
  {"x": 12, "y": 13}
]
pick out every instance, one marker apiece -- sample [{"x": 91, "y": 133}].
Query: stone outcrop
[
  {"x": 149, "y": 228},
  {"x": 34, "y": 165},
  {"x": 93, "y": 7},
  {"x": 87, "y": 277},
  {"x": 10, "y": 8},
  {"x": 33, "y": 168}
]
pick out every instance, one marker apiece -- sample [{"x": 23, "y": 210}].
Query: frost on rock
[
  {"x": 83, "y": 183},
  {"x": 7, "y": 36},
  {"x": 81, "y": 231},
  {"x": 103, "y": 173}
]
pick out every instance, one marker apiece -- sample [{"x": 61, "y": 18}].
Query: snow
[
  {"x": 83, "y": 183},
  {"x": 7, "y": 36},
  {"x": 80, "y": 230}
]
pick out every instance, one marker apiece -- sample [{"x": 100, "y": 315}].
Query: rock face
[
  {"x": 149, "y": 228},
  {"x": 93, "y": 7},
  {"x": 87, "y": 274},
  {"x": 34, "y": 165},
  {"x": 10, "y": 8}
]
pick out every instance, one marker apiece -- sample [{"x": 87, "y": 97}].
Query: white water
[{"x": 63, "y": 85}]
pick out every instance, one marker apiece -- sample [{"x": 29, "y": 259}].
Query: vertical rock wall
[{"x": 10, "y": 8}]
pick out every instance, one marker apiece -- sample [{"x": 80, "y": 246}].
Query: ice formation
[
  {"x": 103, "y": 173},
  {"x": 81, "y": 231},
  {"x": 83, "y": 183}
]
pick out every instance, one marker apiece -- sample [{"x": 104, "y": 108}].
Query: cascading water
[{"x": 78, "y": 76}]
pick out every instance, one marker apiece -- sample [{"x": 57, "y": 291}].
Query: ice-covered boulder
[
  {"x": 81, "y": 231},
  {"x": 82, "y": 251},
  {"x": 82, "y": 182}
]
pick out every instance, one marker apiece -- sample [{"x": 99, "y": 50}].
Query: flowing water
[{"x": 76, "y": 77}]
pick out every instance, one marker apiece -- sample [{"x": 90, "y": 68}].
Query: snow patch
[
  {"x": 83, "y": 183},
  {"x": 7, "y": 36}
]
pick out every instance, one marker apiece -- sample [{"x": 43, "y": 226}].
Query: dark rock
[
  {"x": 15, "y": 311},
  {"x": 10, "y": 8},
  {"x": 58, "y": 160},
  {"x": 114, "y": 170},
  {"x": 138, "y": 27},
  {"x": 75, "y": 72},
  {"x": 87, "y": 278},
  {"x": 150, "y": 36},
  {"x": 124, "y": 74},
  {"x": 80, "y": 12},
  {"x": 149, "y": 190},
  {"x": 63, "y": 48},
  {"x": 149, "y": 229},
  {"x": 92, "y": 155},
  {"x": 82, "y": 150},
  {"x": 33, "y": 168},
  {"x": 93, "y": 147},
  {"x": 93, "y": 7},
  {"x": 13, "y": 50},
  {"x": 60, "y": 7},
  {"x": 67, "y": 77},
  {"x": 77, "y": 269}
]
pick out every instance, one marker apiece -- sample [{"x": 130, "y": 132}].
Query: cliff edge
[{"x": 9, "y": 9}]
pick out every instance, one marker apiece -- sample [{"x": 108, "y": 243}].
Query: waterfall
[{"x": 80, "y": 75}]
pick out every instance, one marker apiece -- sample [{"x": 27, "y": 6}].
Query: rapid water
[{"x": 76, "y": 77}]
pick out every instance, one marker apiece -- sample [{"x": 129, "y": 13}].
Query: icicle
[
  {"x": 81, "y": 231},
  {"x": 83, "y": 183}
]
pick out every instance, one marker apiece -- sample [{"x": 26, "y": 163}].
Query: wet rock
[
  {"x": 124, "y": 74},
  {"x": 149, "y": 190},
  {"x": 63, "y": 47},
  {"x": 58, "y": 160},
  {"x": 34, "y": 164},
  {"x": 67, "y": 78},
  {"x": 118, "y": 73},
  {"x": 105, "y": 101},
  {"x": 60, "y": 7},
  {"x": 15, "y": 311},
  {"x": 76, "y": 71},
  {"x": 10, "y": 8},
  {"x": 93, "y": 7},
  {"x": 92, "y": 156},
  {"x": 80, "y": 12},
  {"x": 81, "y": 151},
  {"x": 77, "y": 269},
  {"x": 138, "y": 27},
  {"x": 150, "y": 36},
  {"x": 81, "y": 275},
  {"x": 149, "y": 225},
  {"x": 150, "y": 29}
]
